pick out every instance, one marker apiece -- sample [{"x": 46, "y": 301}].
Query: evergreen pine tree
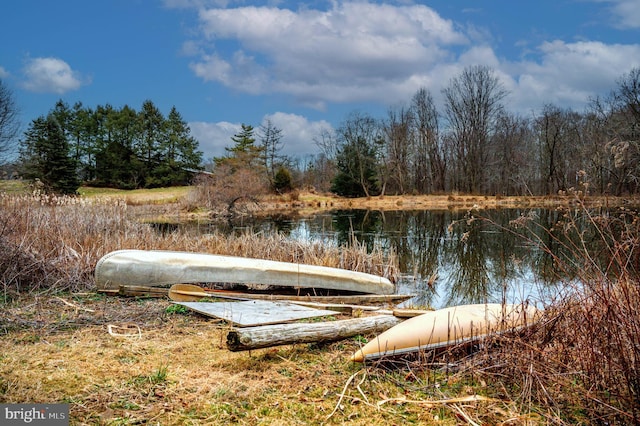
[
  {"x": 178, "y": 153},
  {"x": 356, "y": 175},
  {"x": 45, "y": 156},
  {"x": 151, "y": 124},
  {"x": 244, "y": 154}
]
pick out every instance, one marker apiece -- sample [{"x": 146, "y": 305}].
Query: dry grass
[
  {"x": 582, "y": 361},
  {"x": 138, "y": 196},
  {"x": 56, "y": 345},
  {"x": 309, "y": 202},
  {"x": 177, "y": 371}
]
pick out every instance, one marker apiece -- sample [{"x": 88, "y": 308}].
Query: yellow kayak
[{"x": 447, "y": 327}]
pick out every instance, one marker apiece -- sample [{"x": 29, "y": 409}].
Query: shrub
[
  {"x": 282, "y": 181},
  {"x": 227, "y": 190}
]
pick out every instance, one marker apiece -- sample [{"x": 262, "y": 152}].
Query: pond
[{"x": 449, "y": 258}]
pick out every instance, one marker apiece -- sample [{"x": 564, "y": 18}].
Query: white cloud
[
  {"x": 3, "y": 73},
  {"x": 213, "y": 137},
  {"x": 51, "y": 75},
  {"x": 241, "y": 72},
  {"x": 570, "y": 73},
  {"x": 629, "y": 13},
  {"x": 324, "y": 56},
  {"x": 626, "y": 13},
  {"x": 335, "y": 56},
  {"x": 298, "y": 134}
]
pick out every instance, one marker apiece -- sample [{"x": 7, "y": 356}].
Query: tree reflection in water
[{"x": 449, "y": 257}]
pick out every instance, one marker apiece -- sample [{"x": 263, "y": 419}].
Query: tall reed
[
  {"x": 53, "y": 243},
  {"x": 582, "y": 361}
]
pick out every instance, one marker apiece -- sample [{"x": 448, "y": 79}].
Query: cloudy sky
[{"x": 306, "y": 65}]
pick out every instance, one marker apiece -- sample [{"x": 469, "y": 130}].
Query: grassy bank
[
  {"x": 305, "y": 202},
  {"x": 127, "y": 361},
  {"x": 174, "y": 369}
]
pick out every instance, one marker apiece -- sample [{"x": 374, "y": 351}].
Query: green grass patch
[
  {"x": 177, "y": 309},
  {"x": 141, "y": 196},
  {"x": 158, "y": 377},
  {"x": 13, "y": 186}
]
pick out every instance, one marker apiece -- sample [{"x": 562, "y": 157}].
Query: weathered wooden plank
[
  {"x": 285, "y": 334},
  {"x": 409, "y": 313},
  {"x": 142, "y": 291},
  {"x": 255, "y": 312},
  {"x": 353, "y": 299}
]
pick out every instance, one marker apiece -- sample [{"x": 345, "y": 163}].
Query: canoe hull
[
  {"x": 447, "y": 327},
  {"x": 163, "y": 268}
]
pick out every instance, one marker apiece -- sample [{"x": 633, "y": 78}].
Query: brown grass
[
  {"x": 177, "y": 371},
  {"x": 138, "y": 196},
  {"x": 308, "y": 202},
  {"x": 581, "y": 362}
]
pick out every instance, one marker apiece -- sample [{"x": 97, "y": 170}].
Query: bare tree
[
  {"x": 511, "y": 167},
  {"x": 398, "y": 132},
  {"x": 9, "y": 122},
  {"x": 429, "y": 159},
  {"x": 599, "y": 163},
  {"x": 327, "y": 142},
  {"x": 624, "y": 131},
  {"x": 271, "y": 139},
  {"x": 323, "y": 168},
  {"x": 473, "y": 102},
  {"x": 226, "y": 192},
  {"x": 559, "y": 140},
  {"x": 627, "y": 97}
]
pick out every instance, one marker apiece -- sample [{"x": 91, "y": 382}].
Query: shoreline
[{"x": 309, "y": 203}]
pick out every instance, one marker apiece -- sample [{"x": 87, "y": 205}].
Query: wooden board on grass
[{"x": 255, "y": 312}]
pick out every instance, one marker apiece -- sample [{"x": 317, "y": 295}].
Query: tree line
[
  {"x": 474, "y": 145},
  {"x": 106, "y": 146}
]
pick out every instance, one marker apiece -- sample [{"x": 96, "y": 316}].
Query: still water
[{"x": 448, "y": 258}]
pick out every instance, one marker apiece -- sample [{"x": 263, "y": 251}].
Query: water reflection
[{"x": 449, "y": 258}]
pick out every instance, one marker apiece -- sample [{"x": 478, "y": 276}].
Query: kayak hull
[
  {"x": 163, "y": 268},
  {"x": 447, "y": 327}
]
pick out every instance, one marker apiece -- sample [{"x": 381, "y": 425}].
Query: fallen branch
[
  {"x": 73, "y": 305},
  {"x": 285, "y": 334},
  {"x": 433, "y": 403}
]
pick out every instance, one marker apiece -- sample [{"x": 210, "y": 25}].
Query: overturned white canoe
[
  {"x": 162, "y": 268},
  {"x": 448, "y": 327}
]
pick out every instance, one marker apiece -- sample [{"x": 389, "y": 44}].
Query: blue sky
[{"x": 306, "y": 65}]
